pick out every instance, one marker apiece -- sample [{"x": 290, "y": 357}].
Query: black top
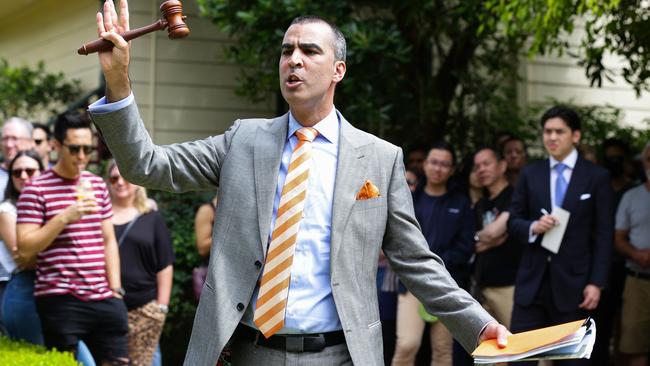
[
  {"x": 145, "y": 251},
  {"x": 497, "y": 266},
  {"x": 448, "y": 225}
]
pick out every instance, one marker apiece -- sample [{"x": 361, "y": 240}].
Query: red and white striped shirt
[{"x": 75, "y": 261}]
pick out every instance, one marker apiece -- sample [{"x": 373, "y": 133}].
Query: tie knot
[
  {"x": 306, "y": 134},
  {"x": 559, "y": 167}
]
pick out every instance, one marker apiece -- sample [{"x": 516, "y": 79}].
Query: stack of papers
[{"x": 565, "y": 341}]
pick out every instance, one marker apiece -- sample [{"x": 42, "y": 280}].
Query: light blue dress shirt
[
  {"x": 310, "y": 306},
  {"x": 570, "y": 161}
]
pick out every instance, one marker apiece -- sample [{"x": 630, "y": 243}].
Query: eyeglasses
[
  {"x": 17, "y": 173},
  {"x": 13, "y": 138},
  {"x": 75, "y": 149},
  {"x": 441, "y": 164},
  {"x": 114, "y": 179}
]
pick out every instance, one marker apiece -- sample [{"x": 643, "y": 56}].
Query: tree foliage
[
  {"x": 26, "y": 91},
  {"x": 412, "y": 65},
  {"x": 612, "y": 28},
  {"x": 422, "y": 70}
]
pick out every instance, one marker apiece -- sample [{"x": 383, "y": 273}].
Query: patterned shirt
[{"x": 75, "y": 262}]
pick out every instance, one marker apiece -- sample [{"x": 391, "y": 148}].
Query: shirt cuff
[
  {"x": 478, "y": 340},
  {"x": 531, "y": 237},
  {"x": 101, "y": 107}
]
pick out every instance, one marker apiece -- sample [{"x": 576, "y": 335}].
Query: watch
[
  {"x": 119, "y": 290},
  {"x": 163, "y": 308}
]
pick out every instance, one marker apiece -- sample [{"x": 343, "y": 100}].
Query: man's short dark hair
[
  {"x": 497, "y": 154},
  {"x": 511, "y": 139},
  {"x": 44, "y": 127},
  {"x": 340, "y": 46},
  {"x": 443, "y": 145},
  {"x": 614, "y": 142},
  {"x": 568, "y": 115},
  {"x": 70, "y": 121}
]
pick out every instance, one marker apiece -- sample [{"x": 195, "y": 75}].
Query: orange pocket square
[{"x": 368, "y": 191}]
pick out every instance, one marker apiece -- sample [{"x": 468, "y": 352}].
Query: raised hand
[{"x": 115, "y": 63}]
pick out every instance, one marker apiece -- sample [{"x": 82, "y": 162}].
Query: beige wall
[
  {"x": 560, "y": 77},
  {"x": 184, "y": 88}
]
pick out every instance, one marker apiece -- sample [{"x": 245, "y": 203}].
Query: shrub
[{"x": 20, "y": 353}]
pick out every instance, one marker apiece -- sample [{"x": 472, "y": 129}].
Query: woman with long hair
[
  {"x": 146, "y": 262},
  {"x": 18, "y": 307}
]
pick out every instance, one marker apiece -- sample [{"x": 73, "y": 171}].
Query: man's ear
[
  {"x": 503, "y": 166},
  {"x": 339, "y": 71},
  {"x": 576, "y": 137},
  {"x": 56, "y": 145}
]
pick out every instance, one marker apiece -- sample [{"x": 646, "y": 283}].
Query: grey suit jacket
[{"x": 244, "y": 164}]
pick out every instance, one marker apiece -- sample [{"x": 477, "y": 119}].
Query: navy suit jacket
[{"x": 585, "y": 252}]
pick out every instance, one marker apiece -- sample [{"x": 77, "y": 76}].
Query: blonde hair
[{"x": 141, "y": 201}]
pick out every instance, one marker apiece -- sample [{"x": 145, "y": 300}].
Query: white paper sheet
[{"x": 553, "y": 238}]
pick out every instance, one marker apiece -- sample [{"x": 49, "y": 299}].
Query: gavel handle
[{"x": 104, "y": 45}]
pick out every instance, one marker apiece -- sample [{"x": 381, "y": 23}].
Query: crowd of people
[
  {"x": 483, "y": 216},
  {"x": 486, "y": 220},
  {"x": 86, "y": 261}
]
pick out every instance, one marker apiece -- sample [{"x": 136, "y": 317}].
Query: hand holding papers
[
  {"x": 565, "y": 341},
  {"x": 553, "y": 238}
]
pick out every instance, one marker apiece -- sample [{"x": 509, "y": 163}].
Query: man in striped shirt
[{"x": 64, "y": 219}]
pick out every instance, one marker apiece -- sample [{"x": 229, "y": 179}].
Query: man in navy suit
[{"x": 555, "y": 288}]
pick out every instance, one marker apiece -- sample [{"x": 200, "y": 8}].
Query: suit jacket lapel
[
  {"x": 351, "y": 172},
  {"x": 576, "y": 184},
  {"x": 545, "y": 188},
  {"x": 269, "y": 144}
]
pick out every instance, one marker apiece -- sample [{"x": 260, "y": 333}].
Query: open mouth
[{"x": 293, "y": 81}]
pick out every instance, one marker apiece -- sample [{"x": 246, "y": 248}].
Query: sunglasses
[
  {"x": 114, "y": 179},
  {"x": 39, "y": 141},
  {"x": 17, "y": 173},
  {"x": 75, "y": 149}
]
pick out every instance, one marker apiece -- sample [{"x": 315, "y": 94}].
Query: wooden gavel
[{"x": 172, "y": 12}]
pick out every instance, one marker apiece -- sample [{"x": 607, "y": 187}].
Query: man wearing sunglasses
[
  {"x": 42, "y": 144},
  {"x": 64, "y": 216},
  {"x": 16, "y": 136}
]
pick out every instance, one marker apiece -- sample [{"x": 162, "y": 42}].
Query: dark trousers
[
  {"x": 102, "y": 325},
  {"x": 543, "y": 313}
]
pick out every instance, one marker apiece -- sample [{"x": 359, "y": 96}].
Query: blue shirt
[{"x": 310, "y": 306}]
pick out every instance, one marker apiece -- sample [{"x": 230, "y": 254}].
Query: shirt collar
[
  {"x": 569, "y": 161},
  {"x": 327, "y": 128}
]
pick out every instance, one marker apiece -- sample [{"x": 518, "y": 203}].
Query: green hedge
[{"x": 19, "y": 353}]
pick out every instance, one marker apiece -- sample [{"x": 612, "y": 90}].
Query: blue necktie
[{"x": 560, "y": 184}]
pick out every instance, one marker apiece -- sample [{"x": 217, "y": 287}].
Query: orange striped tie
[{"x": 274, "y": 286}]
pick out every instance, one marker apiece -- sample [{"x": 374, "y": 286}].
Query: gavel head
[{"x": 172, "y": 11}]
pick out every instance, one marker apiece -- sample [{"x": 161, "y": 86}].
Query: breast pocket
[{"x": 367, "y": 204}]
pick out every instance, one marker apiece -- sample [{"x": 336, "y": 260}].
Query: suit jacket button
[
  {"x": 258, "y": 264},
  {"x": 240, "y": 306}
]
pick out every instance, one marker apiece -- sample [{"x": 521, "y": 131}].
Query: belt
[
  {"x": 295, "y": 343},
  {"x": 640, "y": 275}
]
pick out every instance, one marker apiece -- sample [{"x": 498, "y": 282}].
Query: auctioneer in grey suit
[{"x": 244, "y": 164}]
